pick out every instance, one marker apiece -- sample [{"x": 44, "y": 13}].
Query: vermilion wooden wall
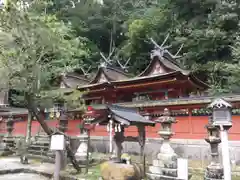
[{"x": 187, "y": 127}]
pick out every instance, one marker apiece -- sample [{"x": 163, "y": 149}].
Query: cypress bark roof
[
  {"x": 108, "y": 74},
  {"x": 74, "y": 79}
]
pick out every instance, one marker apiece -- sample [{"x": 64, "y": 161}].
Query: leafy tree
[
  {"x": 34, "y": 49},
  {"x": 104, "y": 25}
]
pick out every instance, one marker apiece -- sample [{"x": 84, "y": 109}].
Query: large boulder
[{"x": 111, "y": 170}]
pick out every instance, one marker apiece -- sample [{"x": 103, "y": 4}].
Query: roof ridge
[
  {"x": 118, "y": 70},
  {"x": 77, "y": 77}
]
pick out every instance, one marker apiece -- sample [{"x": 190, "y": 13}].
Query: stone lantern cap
[
  {"x": 166, "y": 118},
  {"x": 221, "y": 113},
  {"x": 219, "y": 103}
]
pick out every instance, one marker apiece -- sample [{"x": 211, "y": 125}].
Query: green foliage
[
  {"x": 35, "y": 48},
  {"x": 54, "y": 36},
  {"x": 206, "y": 28}
]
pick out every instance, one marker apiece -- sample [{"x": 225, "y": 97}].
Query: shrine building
[{"x": 163, "y": 84}]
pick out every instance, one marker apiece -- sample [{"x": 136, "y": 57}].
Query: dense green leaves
[
  {"x": 207, "y": 29},
  {"x": 36, "y": 48},
  {"x": 54, "y": 36}
]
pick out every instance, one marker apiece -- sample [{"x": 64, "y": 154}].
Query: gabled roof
[
  {"x": 128, "y": 116},
  {"x": 161, "y": 65},
  {"x": 123, "y": 115},
  {"x": 73, "y": 80},
  {"x": 108, "y": 74}
]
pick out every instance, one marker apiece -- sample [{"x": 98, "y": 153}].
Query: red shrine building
[{"x": 163, "y": 84}]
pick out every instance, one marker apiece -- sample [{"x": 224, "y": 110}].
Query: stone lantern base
[
  {"x": 81, "y": 154},
  {"x": 7, "y": 146},
  {"x": 164, "y": 167},
  {"x": 214, "y": 172},
  {"x": 151, "y": 176}
]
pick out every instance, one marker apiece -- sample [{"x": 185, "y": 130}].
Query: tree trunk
[
  {"x": 34, "y": 111},
  {"x": 29, "y": 128}
]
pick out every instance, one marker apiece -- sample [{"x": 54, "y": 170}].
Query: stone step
[
  {"x": 152, "y": 176},
  {"x": 162, "y": 164},
  {"x": 41, "y": 142},
  {"x": 163, "y": 171}
]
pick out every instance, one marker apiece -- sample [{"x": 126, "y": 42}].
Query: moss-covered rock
[{"x": 118, "y": 171}]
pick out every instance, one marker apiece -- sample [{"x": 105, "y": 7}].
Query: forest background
[
  {"x": 207, "y": 29},
  {"x": 41, "y": 39}
]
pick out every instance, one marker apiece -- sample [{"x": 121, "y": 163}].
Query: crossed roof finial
[
  {"x": 124, "y": 67},
  {"x": 107, "y": 60},
  {"x": 86, "y": 73},
  {"x": 160, "y": 50}
]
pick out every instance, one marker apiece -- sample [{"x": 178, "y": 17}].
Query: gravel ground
[{"x": 22, "y": 176}]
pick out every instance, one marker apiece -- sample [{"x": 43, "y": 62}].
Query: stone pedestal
[
  {"x": 7, "y": 146},
  {"x": 81, "y": 154},
  {"x": 165, "y": 166},
  {"x": 8, "y": 140},
  {"x": 214, "y": 170}
]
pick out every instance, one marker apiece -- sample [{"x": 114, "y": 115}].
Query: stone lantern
[
  {"x": 82, "y": 154},
  {"x": 222, "y": 120},
  {"x": 165, "y": 166},
  {"x": 214, "y": 169}
]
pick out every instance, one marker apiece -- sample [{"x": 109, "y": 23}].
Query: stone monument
[
  {"x": 165, "y": 166},
  {"x": 81, "y": 154}
]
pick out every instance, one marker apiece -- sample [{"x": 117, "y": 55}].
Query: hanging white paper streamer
[{"x": 119, "y": 128}]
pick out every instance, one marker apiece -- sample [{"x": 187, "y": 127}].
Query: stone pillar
[
  {"x": 214, "y": 170},
  {"x": 165, "y": 166}
]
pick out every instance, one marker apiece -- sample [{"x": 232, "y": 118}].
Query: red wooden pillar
[
  {"x": 190, "y": 123},
  {"x": 114, "y": 97}
]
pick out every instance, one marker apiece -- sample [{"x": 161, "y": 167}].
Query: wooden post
[
  {"x": 88, "y": 144},
  {"x": 141, "y": 140},
  {"x": 58, "y": 158},
  {"x": 29, "y": 127},
  {"x": 110, "y": 136},
  {"x": 225, "y": 154},
  {"x": 58, "y": 144},
  {"x": 119, "y": 139}
]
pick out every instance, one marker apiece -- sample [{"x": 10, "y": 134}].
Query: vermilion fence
[{"x": 187, "y": 127}]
